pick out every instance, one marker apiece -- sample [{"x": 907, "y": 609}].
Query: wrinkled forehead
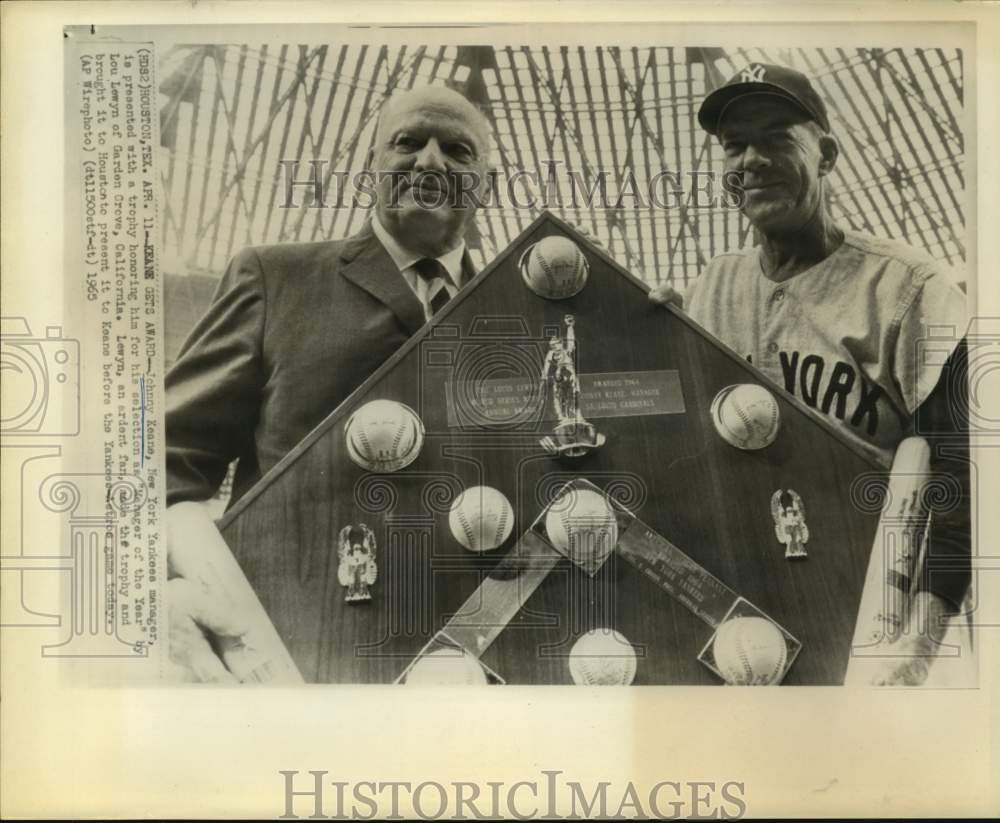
[
  {"x": 760, "y": 112},
  {"x": 451, "y": 118}
]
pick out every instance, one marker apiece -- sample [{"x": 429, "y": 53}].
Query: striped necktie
[{"x": 434, "y": 276}]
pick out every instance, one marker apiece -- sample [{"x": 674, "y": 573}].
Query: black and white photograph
[
  {"x": 372, "y": 448},
  {"x": 393, "y": 355}
]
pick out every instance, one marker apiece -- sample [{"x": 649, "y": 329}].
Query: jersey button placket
[{"x": 773, "y": 304}]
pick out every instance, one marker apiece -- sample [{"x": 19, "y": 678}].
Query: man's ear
[{"x": 829, "y": 151}]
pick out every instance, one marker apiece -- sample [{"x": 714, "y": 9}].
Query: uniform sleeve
[
  {"x": 942, "y": 419},
  {"x": 694, "y": 298},
  {"x": 213, "y": 391},
  {"x": 932, "y": 321}
]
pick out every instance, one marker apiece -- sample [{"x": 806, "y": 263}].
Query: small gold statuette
[
  {"x": 790, "y": 523},
  {"x": 357, "y": 570},
  {"x": 573, "y": 436}
]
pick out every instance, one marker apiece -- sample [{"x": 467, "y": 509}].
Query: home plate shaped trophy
[{"x": 555, "y": 481}]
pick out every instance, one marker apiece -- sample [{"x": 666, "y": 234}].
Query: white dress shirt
[{"x": 405, "y": 261}]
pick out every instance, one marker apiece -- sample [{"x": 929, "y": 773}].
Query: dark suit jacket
[{"x": 292, "y": 330}]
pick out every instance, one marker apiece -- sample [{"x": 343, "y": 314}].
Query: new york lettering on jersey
[
  {"x": 841, "y": 391},
  {"x": 842, "y": 336}
]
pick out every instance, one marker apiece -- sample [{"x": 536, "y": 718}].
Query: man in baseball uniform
[{"x": 835, "y": 315}]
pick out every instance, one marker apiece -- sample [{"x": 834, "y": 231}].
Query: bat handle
[{"x": 893, "y": 563}]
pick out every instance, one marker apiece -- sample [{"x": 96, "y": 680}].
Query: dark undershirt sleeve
[{"x": 942, "y": 419}]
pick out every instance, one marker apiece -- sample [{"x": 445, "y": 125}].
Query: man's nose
[
  {"x": 430, "y": 157},
  {"x": 754, "y": 159}
]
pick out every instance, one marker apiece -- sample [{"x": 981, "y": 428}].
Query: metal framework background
[{"x": 229, "y": 114}]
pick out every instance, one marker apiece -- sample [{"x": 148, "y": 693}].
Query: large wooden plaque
[{"x": 665, "y": 463}]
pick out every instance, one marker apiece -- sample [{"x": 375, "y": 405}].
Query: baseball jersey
[{"x": 843, "y": 336}]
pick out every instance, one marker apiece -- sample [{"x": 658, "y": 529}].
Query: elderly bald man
[{"x": 295, "y": 328}]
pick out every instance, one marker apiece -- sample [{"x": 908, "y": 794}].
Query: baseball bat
[
  {"x": 896, "y": 556},
  {"x": 198, "y": 553}
]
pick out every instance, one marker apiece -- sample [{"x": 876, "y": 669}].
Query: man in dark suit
[{"x": 295, "y": 328}]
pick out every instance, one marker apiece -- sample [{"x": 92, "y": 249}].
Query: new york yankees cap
[{"x": 763, "y": 78}]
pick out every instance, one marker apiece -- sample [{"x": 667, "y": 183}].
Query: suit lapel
[{"x": 368, "y": 265}]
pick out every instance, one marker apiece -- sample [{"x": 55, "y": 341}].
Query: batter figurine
[
  {"x": 357, "y": 570},
  {"x": 559, "y": 367},
  {"x": 573, "y": 436},
  {"x": 790, "y": 523}
]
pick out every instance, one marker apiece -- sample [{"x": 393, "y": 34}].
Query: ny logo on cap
[{"x": 753, "y": 74}]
